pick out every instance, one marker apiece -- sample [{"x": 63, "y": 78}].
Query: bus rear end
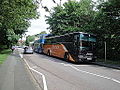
[{"x": 87, "y": 47}]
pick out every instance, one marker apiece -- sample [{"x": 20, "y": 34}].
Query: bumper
[
  {"x": 28, "y": 52},
  {"x": 87, "y": 59}
]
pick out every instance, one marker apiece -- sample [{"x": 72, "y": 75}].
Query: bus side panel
[
  {"x": 72, "y": 50},
  {"x": 46, "y": 48},
  {"x": 66, "y": 50},
  {"x": 57, "y": 50}
]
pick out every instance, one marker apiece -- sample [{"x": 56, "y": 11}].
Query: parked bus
[
  {"x": 76, "y": 47},
  {"x": 38, "y": 44}
]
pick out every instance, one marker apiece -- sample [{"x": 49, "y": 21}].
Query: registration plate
[{"x": 89, "y": 58}]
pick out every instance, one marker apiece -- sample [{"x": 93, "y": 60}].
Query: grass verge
[{"x": 4, "y": 54}]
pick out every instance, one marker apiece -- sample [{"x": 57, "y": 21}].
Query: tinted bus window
[
  {"x": 84, "y": 37},
  {"x": 92, "y": 38}
]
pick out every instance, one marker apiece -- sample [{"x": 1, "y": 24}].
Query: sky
[{"x": 40, "y": 25}]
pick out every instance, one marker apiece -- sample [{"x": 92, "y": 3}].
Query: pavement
[
  {"x": 107, "y": 65},
  {"x": 15, "y": 76}
]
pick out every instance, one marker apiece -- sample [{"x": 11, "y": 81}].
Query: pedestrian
[
  {"x": 25, "y": 49},
  {"x": 12, "y": 48}
]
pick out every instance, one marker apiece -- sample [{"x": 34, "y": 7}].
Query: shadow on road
[{"x": 60, "y": 60}]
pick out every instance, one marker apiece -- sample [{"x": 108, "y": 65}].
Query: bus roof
[{"x": 51, "y": 36}]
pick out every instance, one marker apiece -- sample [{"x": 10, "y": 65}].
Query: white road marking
[
  {"x": 34, "y": 67},
  {"x": 116, "y": 70},
  {"x": 109, "y": 78},
  {"x": 21, "y": 56},
  {"x": 65, "y": 64},
  {"x": 82, "y": 65},
  {"x": 43, "y": 76},
  {"x": 44, "y": 80}
]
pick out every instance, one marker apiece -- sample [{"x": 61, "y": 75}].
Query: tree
[
  {"x": 43, "y": 32},
  {"x": 29, "y": 39},
  {"x": 107, "y": 27},
  {"x": 14, "y": 19},
  {"x": 72, "y": 16}
]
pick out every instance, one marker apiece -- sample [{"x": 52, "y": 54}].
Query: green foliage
[
  {"x": 72, "y": 16},
  {"x": 107, "y": 27},
  {"x": 29, "y": 39},
  {"x": 4, "y": 54},
  {"x": 14, "y": 19},
  {"x": 43, "y": 32}
]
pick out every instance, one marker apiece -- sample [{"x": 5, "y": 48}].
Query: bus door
[{"x": 76, "y": 43}]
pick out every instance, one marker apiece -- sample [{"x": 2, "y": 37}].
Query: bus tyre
[
  {"x": 66, "y": 57},
  {"x": 48, "y": 53}
]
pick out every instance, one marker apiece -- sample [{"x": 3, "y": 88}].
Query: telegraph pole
[{"x": 105, "y": 51}]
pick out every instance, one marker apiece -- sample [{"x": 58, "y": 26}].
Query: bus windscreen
[{"x": 87, "y": 37}]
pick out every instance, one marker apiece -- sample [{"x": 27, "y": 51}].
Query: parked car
[{"x": 28, "y": 50}]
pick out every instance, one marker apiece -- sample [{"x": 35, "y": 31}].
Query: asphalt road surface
[{"x": 55, "y": 74}]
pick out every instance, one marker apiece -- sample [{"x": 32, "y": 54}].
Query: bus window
[
  {"x": 76, "y": 40},
  {"x": 84, "y": 37},
  {"x": 53, "y": 40},
  {"x": 92, "y": 38},
  {"x": 48, "y": 41},
  {"x": 87, "y": 42}
]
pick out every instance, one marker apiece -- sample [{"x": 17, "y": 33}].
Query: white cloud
[{"x": 40, "y": 25}]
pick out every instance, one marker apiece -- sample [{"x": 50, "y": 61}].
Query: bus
[
  {"x": 38, "y": 44},
  {"x": 76, "y": 46}
]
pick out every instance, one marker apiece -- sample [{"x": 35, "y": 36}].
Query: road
[{"x": 62, "y": 75}]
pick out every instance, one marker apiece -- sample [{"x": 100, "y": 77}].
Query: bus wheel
[
  {"x": 48, "y": 53},
  {"x": 66, "y": 57}
]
